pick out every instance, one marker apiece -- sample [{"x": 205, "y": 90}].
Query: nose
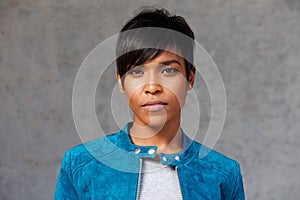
[{"x": 152, "y": 88}]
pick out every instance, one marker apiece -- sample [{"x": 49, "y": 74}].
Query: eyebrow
[
  {"x": 170, "y": 62},
  {"x": 167, "y": 62}
]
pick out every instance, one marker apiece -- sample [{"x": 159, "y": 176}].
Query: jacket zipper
[
  {"x": 139, "y": 181},
  {"x": 180, "y": 186}
]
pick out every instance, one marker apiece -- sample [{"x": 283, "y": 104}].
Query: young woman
[{"x": 151, "y": 157}]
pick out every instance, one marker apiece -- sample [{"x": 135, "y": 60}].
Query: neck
[{"x": 168, "y": 138}]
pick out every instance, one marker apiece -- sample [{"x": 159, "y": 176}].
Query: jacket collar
[{"x": 124, "y": 142}]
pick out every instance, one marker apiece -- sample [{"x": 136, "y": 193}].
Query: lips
[{"x": 154, "y": 105}]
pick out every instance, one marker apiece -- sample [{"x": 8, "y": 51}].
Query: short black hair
[{"x": 132, "y": 48}]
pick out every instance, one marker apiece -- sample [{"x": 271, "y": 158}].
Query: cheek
[
  {"x": 131, "y": 88},
  {"x": 133, "y": 96},
  {"x": 132, "y": 85},
  {"x": 177, "y": 90},
  {"x": 178, "y": 98}
]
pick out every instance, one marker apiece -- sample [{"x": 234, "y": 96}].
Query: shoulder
[
  {"x": 214, "y": 160},
  {"x": 218, "y": 168},
  {"x": 84, "y": 153}
]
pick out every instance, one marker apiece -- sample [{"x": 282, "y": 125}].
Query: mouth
[{"x": 154, "y": 106}]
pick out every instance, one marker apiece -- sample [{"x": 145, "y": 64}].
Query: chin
[{"x": 157, "y": 121}]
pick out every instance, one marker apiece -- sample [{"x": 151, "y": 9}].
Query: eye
[
  {"x": 169, "y": 70},
  {"x": 135, "y": 72}
]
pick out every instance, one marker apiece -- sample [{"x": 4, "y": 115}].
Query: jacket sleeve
[
  {"x": 65, "y": 188},
  {"x": 238, "y": 193}
]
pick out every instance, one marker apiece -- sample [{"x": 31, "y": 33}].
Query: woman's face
[{"x": 156, "y": 90}]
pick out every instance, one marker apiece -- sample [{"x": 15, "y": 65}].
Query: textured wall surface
[{"x": 255, "y": 44}]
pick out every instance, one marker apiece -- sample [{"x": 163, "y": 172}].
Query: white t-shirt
[{"x": 158, "y": 182}]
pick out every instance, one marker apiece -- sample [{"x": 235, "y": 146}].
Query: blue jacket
[{"x": 109, "y": 168}]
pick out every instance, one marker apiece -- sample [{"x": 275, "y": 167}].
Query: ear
[
  {"x": 118, "y": 77},
  {"x": 191, "y": 80}
]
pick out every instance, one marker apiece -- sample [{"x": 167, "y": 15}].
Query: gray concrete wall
[{"x": 255, "y": 44}]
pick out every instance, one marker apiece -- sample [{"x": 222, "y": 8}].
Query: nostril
[
  {"x": 152, "y": 88},
  {"x": 152, "y": 92}
]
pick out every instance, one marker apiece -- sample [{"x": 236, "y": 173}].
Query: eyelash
[
  {"x": 135, "y": 72},
  {"x": 173, "y": 70},
  {"x": 167, "y": 70}
]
